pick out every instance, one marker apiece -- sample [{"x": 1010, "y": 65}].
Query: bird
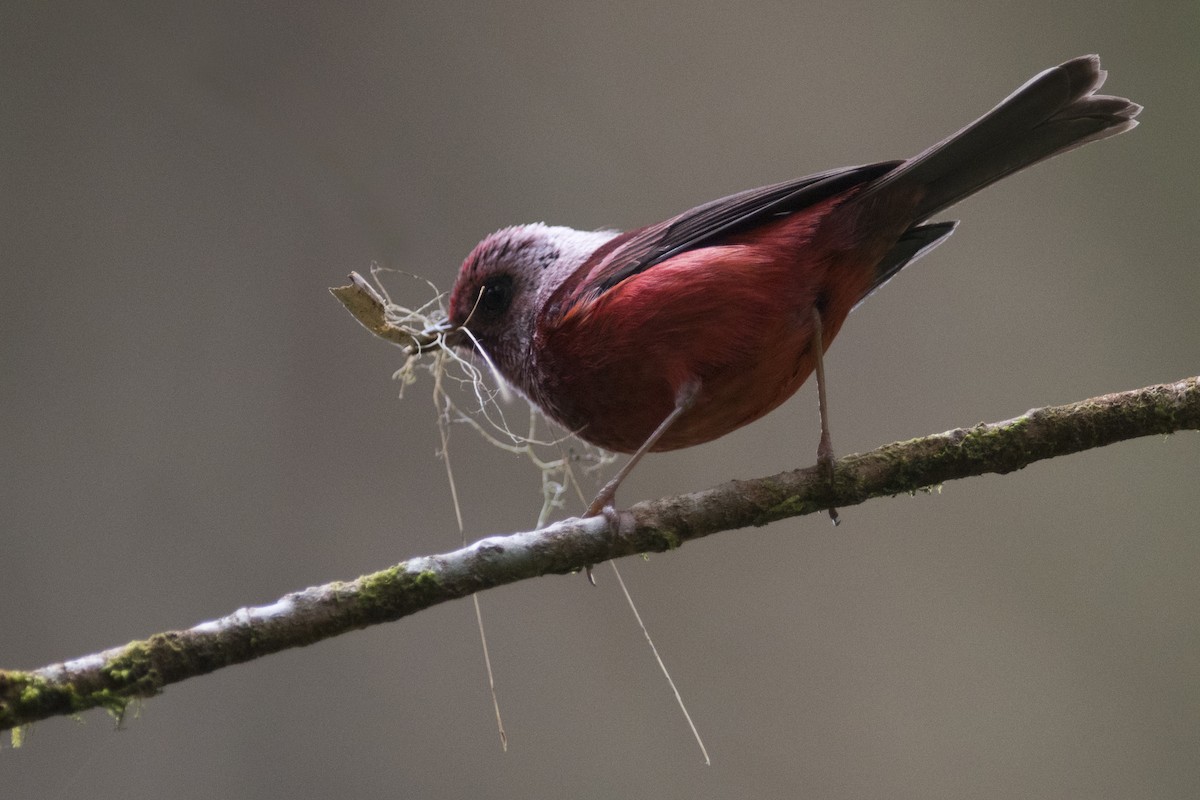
[{"x": 682, "y": 331}]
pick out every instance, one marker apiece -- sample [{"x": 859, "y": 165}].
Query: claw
[
  {"x": 612, "y": 518},
  {"x": 825, "y": 463}
]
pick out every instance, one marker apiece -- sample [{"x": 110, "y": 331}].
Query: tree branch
[{"x": 111, "y": 679}]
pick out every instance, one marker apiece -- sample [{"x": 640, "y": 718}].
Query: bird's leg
[
  {"x": 825, "y": 447},
  {"x": 604, "y": 502},
  {"x": 684, "y": 399}
]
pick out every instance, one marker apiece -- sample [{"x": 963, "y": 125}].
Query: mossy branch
[{"x": 113, "y": 678}]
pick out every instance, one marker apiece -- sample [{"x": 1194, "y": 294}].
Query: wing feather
[{"x": 707, "y": 224}]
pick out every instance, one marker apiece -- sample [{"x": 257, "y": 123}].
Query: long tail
[{"x": 1054, "y": 112}]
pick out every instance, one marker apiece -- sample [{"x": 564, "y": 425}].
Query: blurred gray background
[{"x": 192, "y": 424}]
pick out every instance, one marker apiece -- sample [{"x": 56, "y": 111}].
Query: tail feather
[
  {"x": 1052, "y": 113},
  {"x": 912, "y": 244}
]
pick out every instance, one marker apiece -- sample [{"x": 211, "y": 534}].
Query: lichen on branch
[{"x": 113, "y": 678}]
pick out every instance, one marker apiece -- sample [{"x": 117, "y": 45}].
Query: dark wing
[
  {"x": 703, "y": 225},
  {"x": 912, "y": 244}
]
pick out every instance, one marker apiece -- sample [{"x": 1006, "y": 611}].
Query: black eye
[{"x": 495, "y": 296}]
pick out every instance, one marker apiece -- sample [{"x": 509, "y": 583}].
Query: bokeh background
[{"x": 192, "y": 424}]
